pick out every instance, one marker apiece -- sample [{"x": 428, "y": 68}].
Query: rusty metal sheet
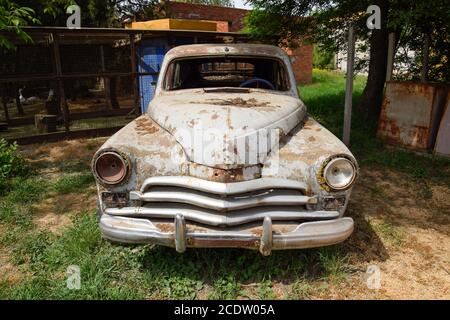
[
  {"x": 443, "y": 137},
  {"x": 410, "y": 114}
]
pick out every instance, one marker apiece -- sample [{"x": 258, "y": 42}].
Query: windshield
[{"x": 221, "y": 72}]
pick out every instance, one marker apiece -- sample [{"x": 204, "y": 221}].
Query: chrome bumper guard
[{"x": 305, "y": 235}]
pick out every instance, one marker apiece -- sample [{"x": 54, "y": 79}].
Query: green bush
[
  {"x": 323, "y": 59},
  {"x": 11, "y": 163}
]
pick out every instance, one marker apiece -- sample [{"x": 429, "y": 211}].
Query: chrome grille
[{"x": 222, "y": 204}]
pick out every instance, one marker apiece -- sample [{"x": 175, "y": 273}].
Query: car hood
[{"x": 227, "y": 130}]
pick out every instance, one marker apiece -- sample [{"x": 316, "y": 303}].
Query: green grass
[
  {"x": 73, "y": 183},
  {"x": 390, "y": 233},
  {"x": 110, "y": 271},
  {"x": 15, "y": 205},
  {"x": 300, "y": 290}
]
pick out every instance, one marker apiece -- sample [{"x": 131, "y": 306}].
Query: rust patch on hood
[{"x": 239, "y": 102}]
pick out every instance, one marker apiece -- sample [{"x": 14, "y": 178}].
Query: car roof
[{"x": 227, "y": 49}]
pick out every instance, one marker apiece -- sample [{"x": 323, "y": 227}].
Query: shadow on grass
[{"x": 228, "y": 271}]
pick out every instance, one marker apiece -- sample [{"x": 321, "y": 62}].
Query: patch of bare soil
[
  {"x": 403, "y": 228},
  {"x": 56, "y": 212},
  {"x": 9, "y": 272},
  {"x": 64, "y": 151}
]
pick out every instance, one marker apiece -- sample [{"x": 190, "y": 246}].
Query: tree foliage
[
  {"x": 13, "y": 17},
  {"x": 140, "y": 9},
  {"x": 326, "y": 22},
  {"x": 221, "y": 3},
  {"x": 322, "y": 59},
  {"x": 94, "y": 13}
]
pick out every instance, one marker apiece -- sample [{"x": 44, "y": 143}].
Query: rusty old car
[{"x": 225, "y": 156}]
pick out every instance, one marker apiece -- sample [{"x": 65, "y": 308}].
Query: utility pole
[
  {"x": 349, "y": 86},
  {"x": 391, "y": 53}
]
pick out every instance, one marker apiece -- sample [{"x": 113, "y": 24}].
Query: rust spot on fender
[{"x": 145, "y": 126}]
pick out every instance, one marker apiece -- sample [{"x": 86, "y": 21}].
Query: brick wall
[
  {"x": 302, "y": 61},
  {"x": 232, "y": 20}
]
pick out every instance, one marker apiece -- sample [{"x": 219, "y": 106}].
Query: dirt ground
[
  {"x": 402, "y": 228},
  {"x": 56, "y": 212},
  {"x": 407, "y": 236}
]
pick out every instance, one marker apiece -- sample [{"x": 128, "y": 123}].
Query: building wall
[
  {"x": 232, "y": 17},
  {"x": 302, "y": 60},
  {"x": 232, "y": 20}
]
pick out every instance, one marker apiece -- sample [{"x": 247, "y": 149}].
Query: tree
[
  {"x": 94, "y": 13},
  {"x": 140, "y": 9},
  {"x": 13, "y": 17},
  {"x": 322, "y": 59},
  {"x": 326, "y": 22},
  {"x": 221, "y": 3}
]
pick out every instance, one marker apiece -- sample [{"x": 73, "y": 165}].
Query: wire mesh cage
[
  {"x": 82, "y": 80},
  {"x": 85, "y": 84}
]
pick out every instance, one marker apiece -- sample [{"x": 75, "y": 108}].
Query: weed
[
  {"x": 334, "y": 263},
  {"x": 300, "y": 290},
  {"x": 226, "y": 288},
  {"x": 31, "y": 249},
  {"x": 265, "y": 291}
]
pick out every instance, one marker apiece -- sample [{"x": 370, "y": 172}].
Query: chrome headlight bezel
[{"x": 348, "y": 172}]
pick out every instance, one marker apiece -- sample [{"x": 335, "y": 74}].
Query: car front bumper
[{"x": 266, "y": 237}]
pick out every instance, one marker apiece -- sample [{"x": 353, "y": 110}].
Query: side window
[{"x": 168, "y": 81}]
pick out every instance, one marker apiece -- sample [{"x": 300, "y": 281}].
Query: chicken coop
[{"x": 70, "y": 83}]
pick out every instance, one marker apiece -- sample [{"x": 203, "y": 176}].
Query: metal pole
[
  {"x": 106, "y": 82},
  {"x": 4, "y": 95},
  {"x": 391, "y": 51},
  {"x": 62, "y": 95},
  {"x": 349, "y": 86},
  {"x": 134, "y": 76}
]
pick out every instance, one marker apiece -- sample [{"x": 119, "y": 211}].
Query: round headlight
[
  {"x": 339, "y": 173},
  {"x": 110, "y": 168}
]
